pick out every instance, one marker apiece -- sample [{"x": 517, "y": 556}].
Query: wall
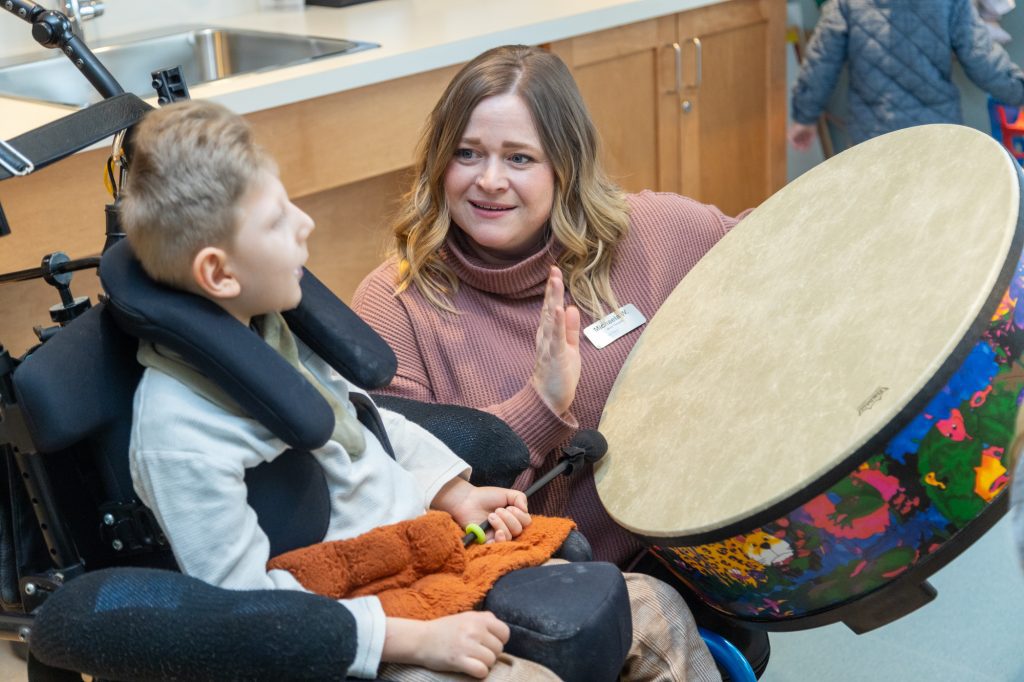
[{"x": 123, "y": 16}]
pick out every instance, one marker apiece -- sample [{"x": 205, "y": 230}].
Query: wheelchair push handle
[
  {"x": 587, "y": 446},
  {"x": 53, "y": 29},
  {"x": 53, "y": 269}
]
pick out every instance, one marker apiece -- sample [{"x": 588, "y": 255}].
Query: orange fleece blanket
[{"x": 419, "y": 568}]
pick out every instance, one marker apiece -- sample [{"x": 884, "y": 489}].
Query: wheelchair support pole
[
  {"x": 15, "y": 627},
  {"x": 44, "y": 504},
  {"x": 15, "y": 440}
]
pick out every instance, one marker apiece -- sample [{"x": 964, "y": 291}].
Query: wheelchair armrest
[
  {"x": 496, "y": 453},
  {"x": 145, "y": 624},
  {"x": 573, "y": 619},
  {"x": 576, "y": 548}
]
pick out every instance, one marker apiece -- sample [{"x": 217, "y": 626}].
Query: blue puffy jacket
[{"x": 900, "y": 60}]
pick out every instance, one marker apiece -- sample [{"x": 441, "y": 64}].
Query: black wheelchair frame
[{"x": 37, "y": 553}]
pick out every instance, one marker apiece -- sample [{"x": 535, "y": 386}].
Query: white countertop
[{"x": 414, "y": 36}]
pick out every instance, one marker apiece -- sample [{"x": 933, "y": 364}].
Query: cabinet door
[
  {"x": 625, "y": 76},
  {"x": 732, "y": 105}
]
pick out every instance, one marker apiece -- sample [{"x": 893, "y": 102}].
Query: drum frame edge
[{"x": 912, "y": 581}]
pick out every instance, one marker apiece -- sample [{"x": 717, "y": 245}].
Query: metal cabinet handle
[
  {"x": 699, "y": 50},
  {"x": 678, "y": 49}
]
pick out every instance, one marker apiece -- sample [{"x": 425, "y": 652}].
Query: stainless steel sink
[{"x": 205, "y": 54}]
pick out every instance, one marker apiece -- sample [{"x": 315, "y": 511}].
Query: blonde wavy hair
[{"x": 589, "y": 215}]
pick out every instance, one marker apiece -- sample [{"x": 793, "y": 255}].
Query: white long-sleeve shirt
[{"x": 188, "y": 459}]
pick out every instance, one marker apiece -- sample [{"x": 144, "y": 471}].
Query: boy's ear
[{"x": 211, "y": 274}]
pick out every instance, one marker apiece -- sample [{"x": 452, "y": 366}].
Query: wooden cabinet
[
  {"x": 733, "y": 112},
  {"x": 619, "y": 75},
  {"x": 340, "y": 159},
  {"x": 691, "y": 103}
]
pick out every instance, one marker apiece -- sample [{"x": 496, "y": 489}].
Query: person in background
[
  {"x": 513, "y": 240},
  {"x": 991, "y": 11},
  {"x": 1017, "y": 486},
  {"x": 899, "y": 55}
]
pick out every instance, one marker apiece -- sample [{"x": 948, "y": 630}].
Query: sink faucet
[{"x": 79, "y": 11}]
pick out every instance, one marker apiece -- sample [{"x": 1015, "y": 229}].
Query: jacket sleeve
[
  {"x": 422, "y": 454},
  {"x": 826, "y": 54},
  {"x": 1017, "y": 503},
  {"x": 984, "y": 61}
]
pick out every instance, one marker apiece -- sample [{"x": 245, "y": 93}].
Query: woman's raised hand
[{"x": 556, "y": 369}]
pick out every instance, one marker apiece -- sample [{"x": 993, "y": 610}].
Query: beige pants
[{"x": 666, "y": 646}]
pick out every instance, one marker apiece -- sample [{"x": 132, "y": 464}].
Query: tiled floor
[{"x": 972, "y": 632}]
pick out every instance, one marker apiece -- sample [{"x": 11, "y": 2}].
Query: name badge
[{"x": 614, "y": 326}]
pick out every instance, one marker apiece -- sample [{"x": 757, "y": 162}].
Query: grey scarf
[{"x": 274, "y": 330}]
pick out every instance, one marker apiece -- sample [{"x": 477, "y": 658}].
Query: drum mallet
[{"x": 587, "y": 446}]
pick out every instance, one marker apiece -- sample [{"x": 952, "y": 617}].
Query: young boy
[{"x": 205, "y": 212}]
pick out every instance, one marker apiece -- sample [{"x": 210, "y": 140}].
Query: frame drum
[{"x": 818, "y": 417}]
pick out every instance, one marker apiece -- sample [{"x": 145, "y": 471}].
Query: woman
[{"x": 510, "y": 211}]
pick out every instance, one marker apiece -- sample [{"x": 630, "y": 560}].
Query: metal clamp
[
  {"x": 130, "y": 528},
  {"x": 21, "y": 164}
]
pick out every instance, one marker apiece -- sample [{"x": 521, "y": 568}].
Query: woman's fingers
[
  {"x": 557, "y": 364},
  {"x": 572, "y": 326},
  {"x": 553, "y": 295},
  {"x": 553, "y": 311}
]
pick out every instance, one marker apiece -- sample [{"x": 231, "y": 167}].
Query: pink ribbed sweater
[{"x": 483, "y": 357}]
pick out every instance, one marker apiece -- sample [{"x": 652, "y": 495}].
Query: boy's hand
[
  {"x": 503, "y": 508},
  {"x": 801, "y": 136},
  {"x": 509, "y": 521},
  {"x": 466, "y": 643}
]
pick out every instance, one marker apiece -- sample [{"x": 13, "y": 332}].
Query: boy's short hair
[{"x": 191, "y": 164}]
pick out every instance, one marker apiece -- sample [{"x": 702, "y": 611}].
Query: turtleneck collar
[{"x": 523, "y": 279}]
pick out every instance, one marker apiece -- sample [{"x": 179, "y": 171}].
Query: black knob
[{"x": 42, "y": 33}]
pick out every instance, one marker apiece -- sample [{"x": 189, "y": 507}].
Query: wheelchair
[{"x": 86, "y": 577}]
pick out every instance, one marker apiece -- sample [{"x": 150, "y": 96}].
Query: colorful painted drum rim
[{"x": 873, "y": 608}]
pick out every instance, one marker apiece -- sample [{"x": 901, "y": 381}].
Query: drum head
[{"x": 810, "y": 334}]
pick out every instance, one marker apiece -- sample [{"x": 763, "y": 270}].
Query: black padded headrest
[
  {"x": 339, "y": 336},
  {"x": 237, "y": 360}
]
